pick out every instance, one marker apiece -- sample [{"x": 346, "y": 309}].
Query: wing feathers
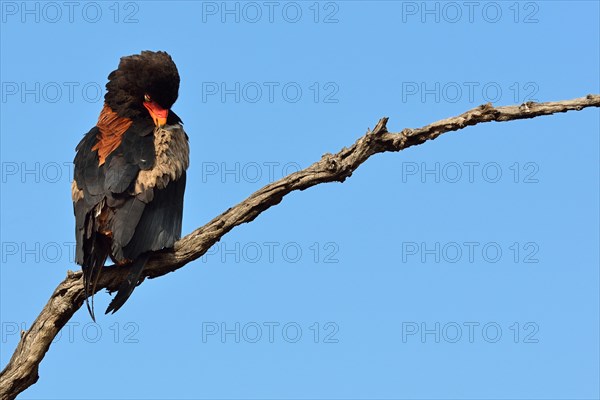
[{"x": 130, "y": 204}]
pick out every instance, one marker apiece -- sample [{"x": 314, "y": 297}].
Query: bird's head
[{"x": 144, "y": 85}]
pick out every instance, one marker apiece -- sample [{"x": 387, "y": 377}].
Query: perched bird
[{"x": 130, "y": 172}]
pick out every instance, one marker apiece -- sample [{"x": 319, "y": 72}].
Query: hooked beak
[{"x": 158, "y": 114}]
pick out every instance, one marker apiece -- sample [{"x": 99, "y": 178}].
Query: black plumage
[{"x": 129, "y": 177}]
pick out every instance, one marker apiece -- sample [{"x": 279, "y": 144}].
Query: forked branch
[{"x": 22, "y": 369}]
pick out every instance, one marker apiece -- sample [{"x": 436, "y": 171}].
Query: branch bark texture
[{"x": 22, "y": 369}]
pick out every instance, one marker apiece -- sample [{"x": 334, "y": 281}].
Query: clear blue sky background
[{"x": 463, "y": 268}]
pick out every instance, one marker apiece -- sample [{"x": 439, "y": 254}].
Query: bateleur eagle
[{"x": 130, "y": 172}]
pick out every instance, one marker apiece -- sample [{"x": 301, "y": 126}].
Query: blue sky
[{"x": 463, "y": 268}]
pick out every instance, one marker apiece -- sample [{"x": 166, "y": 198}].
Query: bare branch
[{"x": 22, "y": 369}]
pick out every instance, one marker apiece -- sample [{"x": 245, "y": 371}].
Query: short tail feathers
[
  {"x": 128, "y": 284},
  {"x": 92, "y": 266}
]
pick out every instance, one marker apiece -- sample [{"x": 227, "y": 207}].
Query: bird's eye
[{"x": 146, "y": 98}]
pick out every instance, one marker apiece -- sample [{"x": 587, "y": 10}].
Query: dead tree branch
[{"x": 22, "y": 369}]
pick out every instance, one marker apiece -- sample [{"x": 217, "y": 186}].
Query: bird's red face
[
  {"x": 145, "y": 85},
  {"x": 159, "y": 115}
]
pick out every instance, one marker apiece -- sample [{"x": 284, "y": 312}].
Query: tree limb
[{"x": 22, "y": 369}]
